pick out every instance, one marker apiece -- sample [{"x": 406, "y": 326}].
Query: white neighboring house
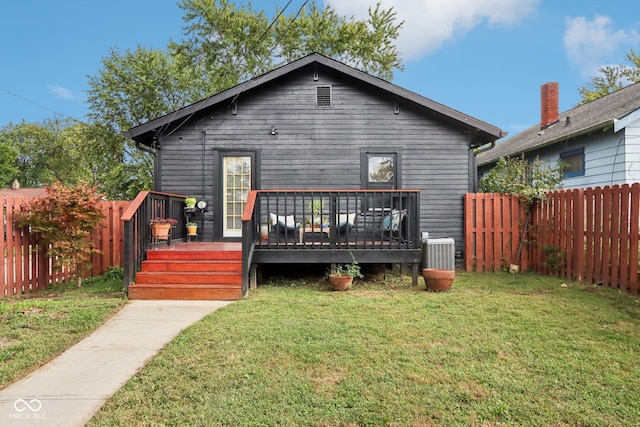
[{"x": 600, "y": 140}]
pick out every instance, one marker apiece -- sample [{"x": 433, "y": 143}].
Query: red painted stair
[{"x": 190, "y": 271}]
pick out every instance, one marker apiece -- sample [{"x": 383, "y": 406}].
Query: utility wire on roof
[
  {"x": 235, "y": 98},
  {"x": 200, "y": 58},
  {"x": 250, "y": 50},
  {"x": 273, "y": 22}
]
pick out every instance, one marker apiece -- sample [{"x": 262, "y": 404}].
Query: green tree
[
  {"x": 65, "y": 219},
  {"x": 121, "y": 170},
  {"x": 611, "y": 78},
  {"x": 531, "y": 181},
  {"x": 222, "y": 45},
  {"x": 368, "y": 45},
  {"x": 70, "y": 152},
  {"x": 8, "y": 161},
  {"x": 131, "y": 89},
  {"x": 137, "y": 86},
  {"x": 225, "y": 45},
  {"x": 53, "y": 150}
]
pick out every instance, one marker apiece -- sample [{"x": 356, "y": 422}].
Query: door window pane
[{"x": 238, "y": 185}]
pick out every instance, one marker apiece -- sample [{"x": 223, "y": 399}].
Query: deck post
[
  {"x": 415, "y": 273},
  {"x": 253, "y": 277},
  {"x": 128, "y": 255}
]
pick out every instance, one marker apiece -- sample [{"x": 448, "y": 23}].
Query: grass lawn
[
  {"x": 34, "y": 328},
  {"x": 498, "y": 349}
]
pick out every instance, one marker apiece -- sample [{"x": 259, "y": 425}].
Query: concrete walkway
[{"x": 70, "y": 389}]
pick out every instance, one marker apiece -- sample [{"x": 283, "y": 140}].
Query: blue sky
[{"x": 485, "y": 58}]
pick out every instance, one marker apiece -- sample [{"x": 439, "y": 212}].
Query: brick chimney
[{"x": 548, "y": 104}]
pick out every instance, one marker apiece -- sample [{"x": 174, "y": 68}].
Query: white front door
[{"x": 237, "y": 183}]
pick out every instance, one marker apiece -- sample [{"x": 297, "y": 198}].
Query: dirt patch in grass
[
  {"x": 325, "y": 381},
  {"x": 474, "y": 391},
  {"x": 7, "y": 342}
]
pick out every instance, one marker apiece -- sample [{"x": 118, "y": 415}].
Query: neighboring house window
[
  {"x": 379, "y": 171},
  {"x": 574, "y": 162}
]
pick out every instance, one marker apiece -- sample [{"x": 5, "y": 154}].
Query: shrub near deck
[{"x": 496, "y": 349}]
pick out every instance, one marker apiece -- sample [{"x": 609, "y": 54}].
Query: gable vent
[{"x": 323, "y": 96}]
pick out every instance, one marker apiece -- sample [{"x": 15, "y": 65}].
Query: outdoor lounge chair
[
  {"x": 391, "y": 226},
  {"x": 344, "y": 224},
  {"x": 284, "y": 224}
]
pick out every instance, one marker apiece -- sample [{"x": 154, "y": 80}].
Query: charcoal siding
[{"x": 319, "y": 147}]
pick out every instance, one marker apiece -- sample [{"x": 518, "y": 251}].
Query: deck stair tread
[
  {"x": 185, "y": 266},
  {"x": 189, "y": 273}
]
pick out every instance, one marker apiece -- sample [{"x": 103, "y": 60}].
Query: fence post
[
  {"x": 634, "y": 219},
  {"x": 469, "y": 212},
  {"x": 578, "y": 234}
]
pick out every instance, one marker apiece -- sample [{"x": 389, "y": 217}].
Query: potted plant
[
  {"x": 316, "y": 206},
  {"x": 160, "y": 227},
  {"x": 438, "y": 280},
  {"x": 190, "y": 202},
  {"x": 192, "y": 228},
  {"x": 341, "y": 277},
  {"x": 264, "y": 229}
]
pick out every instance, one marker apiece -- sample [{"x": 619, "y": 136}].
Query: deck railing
[
  {"x": 316, "y": 219},
  {"x": 146, "y": 206}
]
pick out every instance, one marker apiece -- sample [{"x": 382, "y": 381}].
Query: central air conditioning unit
[{"x": 439, "y": 253}]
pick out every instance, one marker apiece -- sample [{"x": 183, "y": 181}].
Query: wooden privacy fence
[
  {"x": 584, "y": 234},
  {"x": 493, "y": 224},
  {"x": 26, "y": 268}
]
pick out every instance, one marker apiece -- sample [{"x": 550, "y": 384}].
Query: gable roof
[
  {"x": 485, "y": 133},
  {"x": 609, "y": 111}
]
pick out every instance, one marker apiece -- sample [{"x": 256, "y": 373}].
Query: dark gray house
[
  {"x": 599, "y": 141},
  {"x": 352, "y": 141},
  {"x": 317, "y": 124}
]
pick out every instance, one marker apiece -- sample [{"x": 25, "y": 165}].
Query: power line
[
  {"x": 253, "y": 46},
  {"x": 40, "y": 105},
  {"x": 235, "y": 98}
]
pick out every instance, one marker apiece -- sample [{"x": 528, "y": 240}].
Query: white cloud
[
  {"x": 61, "y": 92},
  {"x": 589, "y": 44},
  {"x": 430, "y": 23}
]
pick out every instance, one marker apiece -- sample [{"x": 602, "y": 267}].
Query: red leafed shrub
[{"x": 65, "y": 219}]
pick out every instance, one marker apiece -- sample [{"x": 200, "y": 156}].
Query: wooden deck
[
  {"x": 190, "y": 271},
  {"x": 382, "y": 228}
]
